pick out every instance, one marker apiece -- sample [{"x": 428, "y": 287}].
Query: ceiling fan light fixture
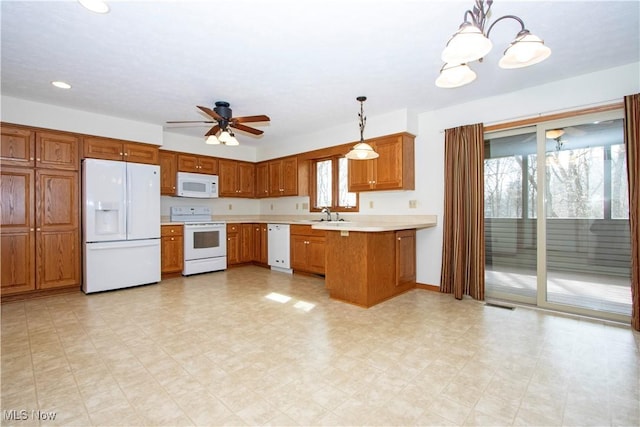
[
  {"x": 232, "y": 140},
  {"x": 212, "y": 140},
  {"x": 527, "y": 49},
  {"x": 224, "y": 137}
]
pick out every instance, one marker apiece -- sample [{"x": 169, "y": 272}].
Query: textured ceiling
[{"x": 303, "y": 63}]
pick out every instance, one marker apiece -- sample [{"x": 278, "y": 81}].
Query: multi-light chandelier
[
  {"x": 362, "y": 150},
  {"x": 471, "y": 43}
]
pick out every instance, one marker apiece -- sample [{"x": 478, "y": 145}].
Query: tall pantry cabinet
[{"x": 40, "y": 217}]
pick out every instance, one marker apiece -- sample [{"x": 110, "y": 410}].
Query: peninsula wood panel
[{"x": 362, "y": 268}]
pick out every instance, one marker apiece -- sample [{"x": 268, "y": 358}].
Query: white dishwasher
[{"x": 278, "y": 245}]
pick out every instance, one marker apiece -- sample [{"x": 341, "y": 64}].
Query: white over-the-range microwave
[{"x": 197, "y": 185}]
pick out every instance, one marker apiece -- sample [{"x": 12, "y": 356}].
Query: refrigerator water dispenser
[{"x": 106, "y": 220}]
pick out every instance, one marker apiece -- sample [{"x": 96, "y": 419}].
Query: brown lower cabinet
[
  {"x": 40, "y": 230},
  {"x": 307, "y": 249},
  {"x": 246, "y": 243},
  {"x": 172, "y": 249},
  {"x": 368, "y": 268}
]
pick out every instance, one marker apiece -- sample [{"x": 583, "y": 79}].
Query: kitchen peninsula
[{"x": 367, "y": 263}]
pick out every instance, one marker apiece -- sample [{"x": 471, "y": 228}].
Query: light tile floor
[{"x": 229, "y": 348}]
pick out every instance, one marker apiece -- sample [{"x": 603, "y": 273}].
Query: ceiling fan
[{"x": 223, "y": 118}]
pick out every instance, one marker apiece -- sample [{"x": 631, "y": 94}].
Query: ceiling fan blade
[
  {"x": 211, "y": 113},
  {"x": 190, "y": 121},
  {"x": 246, "y": 129},
  {"x": 213, "y": 130},
  {"x": 248, "y": 119}
]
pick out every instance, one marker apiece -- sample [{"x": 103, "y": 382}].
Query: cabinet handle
[
  {"x": 32, "y": 229},
  {"x": 31, "y": 158},
  {"x": 121, "y": 153},
  {"x": 38, "y": 159},
  {"x": 38, "y": 229},
  {"x": 126, "y": 154},
  {"x": 173, "y": 238},
  {"x": 399, "y": 238}
]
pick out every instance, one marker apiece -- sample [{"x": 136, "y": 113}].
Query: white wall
[{"x": 20, "y": 111}]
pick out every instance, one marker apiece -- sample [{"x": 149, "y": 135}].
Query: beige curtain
[
  {"x": 632, "y": 142},
  {"x": 463, "y": 245}
]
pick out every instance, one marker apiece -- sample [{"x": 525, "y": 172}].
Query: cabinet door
[
  {"x": 208, "y": 165},
  {"x": 103, "y": 148},
  {"x": 17, "y": 147},
  {"x": 57, "y": 151},
  {"x": 315, "y": 254},
  {"x": 388, "y": 167},
  {"x": 172, "y": 248},
  {"x": 188, "y": 163},
  {"x": 57, "y": 229},
  {"x": 168, "y": 171},
  {"x": 227, "y": 178},
  {"x": 289, "y": 178},
  {"x": 275, "y": 178},
  {"x": 405, "y": 258},
  {"x": 264, "y": 244},
  {"x": 262, "y": 180},
  {"x": 17, "y": 230},
  {"x": 246, "y": 179},
  {"x": 360, "y": 175},
  {"x": 141, "y": 153},
  {"x": 246, "y": 242},
  {"x": 233, "y": 244},
  {"x": 299, "y": 246}
]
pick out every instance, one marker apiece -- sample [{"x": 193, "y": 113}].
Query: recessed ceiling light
[
  {"x": 61, "y": 85},
  {"x": 97, "y": 6}
]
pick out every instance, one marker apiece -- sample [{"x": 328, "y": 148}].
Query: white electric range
[{"x": 205, "y": 240}]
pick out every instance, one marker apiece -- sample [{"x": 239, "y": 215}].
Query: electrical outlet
[
  {"x": 271, "y": 206},
  {"x": 413, "y": 204},
  {"x": 297, "y": 206},
  {"x": 230, "y": 206},
  {"x": 305, "y": 206},
  {"x": 370, "y": 204}
]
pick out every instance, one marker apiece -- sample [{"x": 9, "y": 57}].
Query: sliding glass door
[{"x": 557, "y": 231}]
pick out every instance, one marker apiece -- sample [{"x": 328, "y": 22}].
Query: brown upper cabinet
[
  {"x": 237, "y": 178},
  {"x": 42, "y": 149},
  {"x": 283, "y": 177},
  {"x": 197, "y": 164},
  {"x": 394, "y": 169},
  {"x": 115, "y": 149},
  {"x": 262, "y": 179},
  {"x": 168, "y": 171}
]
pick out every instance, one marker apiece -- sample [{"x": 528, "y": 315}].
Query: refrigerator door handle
[{"x": 123, "y": 244}]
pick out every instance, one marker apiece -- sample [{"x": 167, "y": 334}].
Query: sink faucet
[{"x": 328, "y": 212}]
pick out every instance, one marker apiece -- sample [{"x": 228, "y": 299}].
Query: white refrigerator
[{"x": 121, "y": 224}]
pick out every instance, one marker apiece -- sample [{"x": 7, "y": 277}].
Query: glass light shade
[
  {"x": 525, "y": 50},
  {"x": 224, "y": 137},
  {"x": 212, "y": 140},
  {"x": 97, "y": 6},
  {"x": 455, "y": 76},
  {"x": 361, "y": 151},
  {"x": 467, "y": 45},
  {"x": 232, "y": 140},
  {"x": 554, "y": 133}
]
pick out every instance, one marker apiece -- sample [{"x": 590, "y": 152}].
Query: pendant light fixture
[
  {"x": 362, "y": 150},
  {"x": 471, "y": 43}
]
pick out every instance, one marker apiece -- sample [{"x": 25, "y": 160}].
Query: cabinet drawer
[{"x": 171, "y": 230}]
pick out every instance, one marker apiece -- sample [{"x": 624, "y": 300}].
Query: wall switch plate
[
  {"x": 230, "y": 206},
  {"x": 413, "y": 204},
  {"x": 271, "y": 206},
  {"x": 305, "y": 205},
  {"x": 297, "y": 206},
  {"x": 344, "y": 233},
  {"x": 370, "y": 204}
]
